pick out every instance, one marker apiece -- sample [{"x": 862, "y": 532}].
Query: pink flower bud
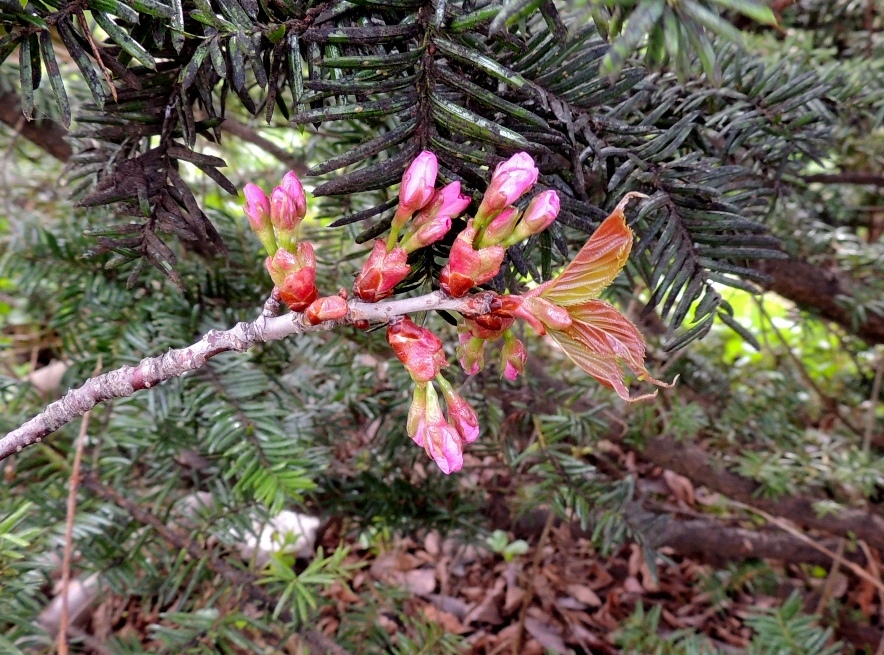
[
  {"x": 330, "y": 308},
  {"x": 460, "y": 414},
  {"x": 295, "y": 190},
  {"x": 540, "y": 213},
  {"x": 421, "y": 234},
  {"x": 510, "y": 180},
  {"x": 294, "y": 275},
  {"x": 417, "y": 348},
  {"x": 257, "y": 210},
  {"x": 381, "y": 273},
  {"x": 540, "y": 314},
  {"x": 418, "y": 186},
  {"x": 468, "y": 267},
  {"x": 282, "y": 212},
  {"x": 441, "y": 440},
  {"x": 500, "y": 228},
  {"x": 471, "y": 353},
  {"x": 433, "y": 221},
  {"x": 426, "y": 234},
  {"x": 417, "y": 413},
  {"x": 512, "y": 357}
]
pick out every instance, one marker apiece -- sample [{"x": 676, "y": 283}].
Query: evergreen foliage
[
  {"x": 472, "y": 83},
  {"x": 609, "y": 98}
]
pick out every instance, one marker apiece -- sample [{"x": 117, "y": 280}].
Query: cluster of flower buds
[
  {"x": 422, "y": 218},
  {"x": 276, "y": 219},
  {"x": 443, "y": 437},
  {"x": 291, "y": 265},
  {"x": 475, "y": 333},
  {"x": 594, "y": 334},
  {"x": 478, "y": 251}
]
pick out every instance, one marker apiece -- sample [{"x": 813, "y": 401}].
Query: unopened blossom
[
  {"x": 500, "y": 228},
  {"x": 329, "y": 308},
  {"x": 381, "y": 273},
  {"x": 282, "y": 214},
  {"x": 460, "y": 415},
  {"x": 470, "y": 353},
  {"x": 288, "y": 206},
  {"x": 257, "y": 210},
  {"x": 512, "y": 356},
  {"x": 510, "y": 180},
  {"x": 295, "y": 190},
  {"x": 419, "y": 350},
  {"x": 417, "y": 413},
  {"x": 417, "y": 189},
  {"x": 468, "y": 267},
  {"x": 541, "y": 212},
  {"x": 294, "y": 274},
  {"x": 440, "y": 439},
  {"x": 433, "y": 221}
]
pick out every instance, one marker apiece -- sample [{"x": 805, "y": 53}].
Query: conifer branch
[{"x": 124, "y": 381}]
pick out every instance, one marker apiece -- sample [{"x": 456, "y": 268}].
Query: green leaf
[
  {"x": 372, "y": 62},
  {"x": 367, "y": 149},
  {"x": 361, "y": 110},
  {"x": 294, "y": 70},
  {"x": 700, "y": 40},
  {"x": 8, "y": 43},
  {"x": 188, "y": 74},
  {"x": 55, "y": 79},
  {"x": 472, "y": 20},
  {"x": 737, "y": 327},
  {"x": 121, "y": 38},
  {"x": 757, "y": 11},
  {"x": 152, "y": 8},
  {"x": 361, "y": 35},
  {"x": 711, "y": 21},
  {"x": 480, "y": 61},
  {"x": 489, "y": 98},
  {"x": 26, "y": 75},
  {"x": 513, "y": 11},
  {"x": 641, "y": 21},
  {"x": 177, "y": 23},
  {"x": 116, "y": 8},
  {"x": 465, "y": 122}
]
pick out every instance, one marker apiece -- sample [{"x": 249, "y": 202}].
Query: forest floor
[{"x": 554, "y": 593}]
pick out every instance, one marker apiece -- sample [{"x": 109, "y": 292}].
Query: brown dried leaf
[
  {"x": 584, "y": 594},
  {"x": 681, "y": 487},
  {"x": 420, "y": 581},
  {"x": 546, "y": 635},
  {"x": 449, "y": 622}
]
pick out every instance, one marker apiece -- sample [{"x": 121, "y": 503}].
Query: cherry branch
[{"x": 125, "y": 381}]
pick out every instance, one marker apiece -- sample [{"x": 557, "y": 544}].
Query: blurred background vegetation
[{"x": 740, "y": 511}]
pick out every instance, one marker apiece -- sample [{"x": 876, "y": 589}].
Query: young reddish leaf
[
  {"x": 597, "y": 263},
  {"x": 623, "y": 337},
  {"x": 600, "y": 340}
]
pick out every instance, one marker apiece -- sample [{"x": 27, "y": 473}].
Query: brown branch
[
  {"x": 693, "y": 463},
  {"x": 251, "y": 135},
  {"x": 817, "y": 289},
  {"x": 848, "y": 177},
  {"x": 704, "y": 539},
  {"x": 125, "y": 381},
  {"x": 44, "y": 132}
]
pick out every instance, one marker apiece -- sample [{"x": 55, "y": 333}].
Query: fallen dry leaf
[
  {"x": 447, "y": 621},
  {"x": 681, "y": 487},
  {"x": 546, "y": 635},
  {"x": 584, "y": 594}
]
